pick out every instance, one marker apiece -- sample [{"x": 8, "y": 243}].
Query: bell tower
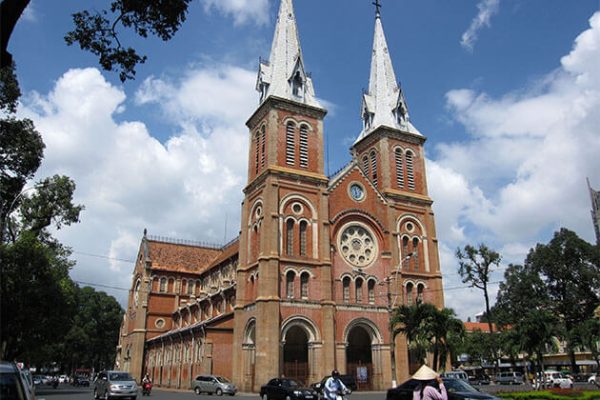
[{"x": 283, "y": 223}]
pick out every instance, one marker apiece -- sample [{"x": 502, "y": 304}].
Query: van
[
  {"x": 509, "y": 378},
  {"x": 213, "y": 384},
  {"x": 462, "y": 375},
  {"x": 557, "y": 379}
]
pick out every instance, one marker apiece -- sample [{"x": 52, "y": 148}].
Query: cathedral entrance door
[
  {"x": 359, "y": 359},
  {"x": 295, "y": 355}
]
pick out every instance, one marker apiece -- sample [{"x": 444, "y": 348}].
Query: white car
[
  {"x": 593, "y": 379},
  {"x": 556, "y": 379}
]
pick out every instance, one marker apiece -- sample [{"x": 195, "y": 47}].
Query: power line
[
  {"x": 100, "y": 285},
  {"x": 103, "y": 256}
]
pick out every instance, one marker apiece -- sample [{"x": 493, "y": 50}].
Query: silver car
[
  {"x": 13, "y": 383},
  {"x": 213, "y": 384},
  {"x": 115, "y": 384}
]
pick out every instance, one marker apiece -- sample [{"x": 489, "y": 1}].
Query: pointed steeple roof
[
  {"x": 284, "y": 75},
  {"x": 383, "y": 104}
]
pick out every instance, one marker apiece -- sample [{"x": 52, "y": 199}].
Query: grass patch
[{"x": 553, "y": 394}]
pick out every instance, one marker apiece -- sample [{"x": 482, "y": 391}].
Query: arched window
[
  {"x": 163, "y": 285},
  {"x": 420, "y": 289},
  {"x": 303, "y": 228},
  {"x": 374, "y": 167},
  {"x": 409, "y": 294},
  {"x": 297, "y": 84},
  {"x": 289, "y": 284},
  {"x": 415, "y": 253},
  {"x": 399, "y": 168},
  {"x": 410, "y": 170},
  {"x": 257, "y": 150},
  {"x": 303, "y": 146},
  {"x": 304, "y": 285},
  {"x": 290, "y": 145},
  {"x": 346, "y": 286},
  {"x": 263, "y": 145},
  {"x": 365, "y": 165},
  {"x": 190, "y": 287},
  {"x": 371, "y": 290},
  {"x": 289, "y": 237},
  {"x": 359, "y": 288},
  {"x": 405, "y": 245}
]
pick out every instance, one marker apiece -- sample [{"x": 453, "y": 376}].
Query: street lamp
[{"x": 391, "y": 306}]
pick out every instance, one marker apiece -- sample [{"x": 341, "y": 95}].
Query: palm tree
[
  {"x": 444, "y": 324},
  {"x": 415, "y": 322}
]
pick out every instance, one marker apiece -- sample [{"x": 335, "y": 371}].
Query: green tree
[
  {"x": 475, "y": 267},
  {"x": 587, "y": 335},
  {"x": 446, "y": 330},
  {"x": 478, "y": 346}
]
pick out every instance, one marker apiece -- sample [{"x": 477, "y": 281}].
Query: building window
[
  {"x": 163, "y": 285},
  {"x": 289, "y": 284},
  {"x": 420, "y": 289},
  {"x": 399, "y": 169},
  {"x": 304, "y": 285},
  {"x": 365, "y": 165},
  {"x": 359, "y": 286},
  {"x": 257, "y": 151},
  {"x": 374, "y": 167},
  {"x": 289, "y": 237},
  {"x": 290, "y": 145},
  {"x": 410, "y": 170},
  {"x": 263, "y": 145},
  {"x": 297, "y": 84},
  {"x": 303, "y": 146},
  {"x": 415, "y": 253},
  {"x": 371, "y": 290},
  {"x": 346, "y": 291},
  {"x": 190, "y": 287},
  {"x": 409, "y": 294},
  {"x": 303, "y": 228}
]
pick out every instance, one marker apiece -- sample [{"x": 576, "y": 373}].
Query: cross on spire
[{"x": 377, "y": 8}]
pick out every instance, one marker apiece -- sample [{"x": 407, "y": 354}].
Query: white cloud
[
  {"x": 30, "y": 14},
  {"x": 242, "y": 11},
  {"x": 487, "y": 8},
  {"x": 186, "y": 187},
  {"x": 523, "y": 173}
]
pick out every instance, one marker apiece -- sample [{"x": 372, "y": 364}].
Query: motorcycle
[
  {"x": 341, "y": 395},
  {"x": 54, "y": 383},
  {"x": 146, "y": 388}
]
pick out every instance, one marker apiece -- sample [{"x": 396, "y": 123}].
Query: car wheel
[
  {"x": 219, "y": 392},
  {"x": 265, "y": 397},
  {"x": 197, "y": 390}
]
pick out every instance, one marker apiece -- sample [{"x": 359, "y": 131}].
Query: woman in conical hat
[{"x": 426, "y": 389}]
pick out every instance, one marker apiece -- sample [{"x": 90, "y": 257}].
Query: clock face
[{"x": 357, "y": 192}]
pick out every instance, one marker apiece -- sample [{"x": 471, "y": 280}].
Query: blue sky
[{"x": 507, "y": 93}]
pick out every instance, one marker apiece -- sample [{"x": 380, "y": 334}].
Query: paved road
[{"x": 68, "y": 392}]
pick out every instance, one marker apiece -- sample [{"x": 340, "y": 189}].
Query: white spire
[
  {"x": 383, "y": 104},
  {"x": 284, "y": 75}
]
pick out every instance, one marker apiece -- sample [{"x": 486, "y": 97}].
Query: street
[{"x": 68, "y": 392}]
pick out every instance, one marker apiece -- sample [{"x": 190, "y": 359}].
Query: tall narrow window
[
  {"x": 257, "y": 150},
  {"x": 346, "y": 287},
  {"x": 297, "y": 84},
  {"x": 289, "y": 234},
  {"x": 399, "y": 169},
  {"x": 374, "y": 167},
  {"x": 405, "y": 246},
  {"x": 359, "y": 288},
  {"x": 163, "y": 285},
  {"x": 303, "y": 227},
  {"x": 263, "y": 145},
  {"x": 365, "y": 165},
  {"x": 420, "y": 289},
  {"x": 415, "y": 253},
  {"x": 190, "y": 287},
  {"x": 304, "y": 285},
  {"x": 290, "y": 146},
  {"x": 289, "y": 284},
  {"x": 371, "y": 290},
  {"x": 303, "y": 146},
  {"x": 410, "y": 170},
  {"x": 409, "y": 294}
]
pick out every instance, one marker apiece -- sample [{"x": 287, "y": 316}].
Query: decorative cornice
[
  {"x": 386, "y": 131},
  {"x": 408, "y": 196},
  {"x": 279, "y": 103},
  {"x": 354, "y": 211}
]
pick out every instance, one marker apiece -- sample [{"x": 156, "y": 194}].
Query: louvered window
[
  {"x": 304, "y": 285},
  {"x": 303, "y": 146},
  {"x": 399, "y": 169},
  {"x": 257, "y": 151},
  {"x": 289, "y": 237},
  {"x": 374, "y": 167},
  {"x": 263, "y": 145},
  {"x": 303, "y": 227},
  {"x": 410, "y": 170},
  {"x": 290, "y": 147},
  {"x": 415, "y": 253},
  {"x": 365, "y": 165}
]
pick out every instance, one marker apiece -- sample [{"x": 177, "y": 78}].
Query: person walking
[{"x": 426, "y": 389}]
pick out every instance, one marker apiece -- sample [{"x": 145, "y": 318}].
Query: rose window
[{"x": 357, "y": 246}]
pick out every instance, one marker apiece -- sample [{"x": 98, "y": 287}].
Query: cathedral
[{"x": 320, "y": 262}]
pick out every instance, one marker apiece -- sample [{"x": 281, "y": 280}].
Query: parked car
[
  {"x": 509, "y": 378},
  {"x": 81, "y": 381},
  {"x": 557, "y": 379},
  {"x": 462, "y": 375},
  {"x": 115, "y": 384},
  {"x": 479, "y": 379},
  {"x": 286, "y": 389},
  {"x": 594, "y": 379},
  {"x": 213, "y": 384},
  {"x": 457, "y": 390},
  {"x": 348, "y": 380},
  {"x": 12, "y": 383}
]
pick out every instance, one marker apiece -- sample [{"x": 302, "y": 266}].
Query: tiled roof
[
  {"x": 181, "y": 258},
  {"x": 478, "y": 326},
  {"x": 227, "y": 252}
]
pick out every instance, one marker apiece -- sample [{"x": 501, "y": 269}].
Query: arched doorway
[
  {"x": 295, "y": 354},
  {"x": 249, "y": 355},
  {"x": 359, "y": 357}
]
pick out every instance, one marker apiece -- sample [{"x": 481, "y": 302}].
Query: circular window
[
  {"x": 410, "y": 227},
  {"x": 258, "y": 212},
  {"x": 297, "y": 208},
  {"x": 357, "y": 245},
  {"x": 357, "y": 192},
  {"x": 160, "y": 323}
]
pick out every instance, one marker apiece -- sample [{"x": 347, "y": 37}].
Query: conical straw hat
[{"x": 425, "y": 374}]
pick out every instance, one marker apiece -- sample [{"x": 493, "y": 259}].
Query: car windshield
[
  {"x": 221, "y": 379},
  {"x": 10, "y": 388},
  {"x": 289, "y": 383},
  {"x": 456, "y": 385},
  {"x": 120, "y": 376}
]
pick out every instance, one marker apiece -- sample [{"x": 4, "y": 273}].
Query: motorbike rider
[
  {"x": 334, "y": 386},
  {"x": 146, "y": 379}
]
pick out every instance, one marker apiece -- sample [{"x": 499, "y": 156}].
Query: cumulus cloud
[
  {"x": 242, "y": 11},
  {"x": 523, "y": 173},
  {"x": 487, "y": 8},
  {"x": 186, "y": 187}
]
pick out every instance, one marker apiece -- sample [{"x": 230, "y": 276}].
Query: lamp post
[{"x": 391, "y": 306}]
